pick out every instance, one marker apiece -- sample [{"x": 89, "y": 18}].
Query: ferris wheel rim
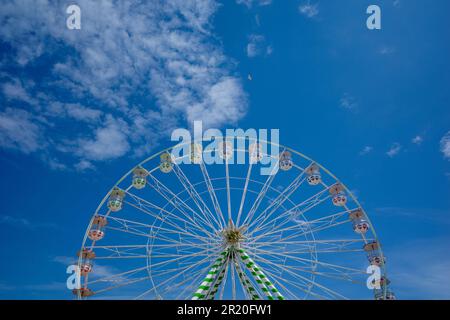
[{"x": 329, "y": 173}]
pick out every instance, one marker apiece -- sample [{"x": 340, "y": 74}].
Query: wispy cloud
[
  {"x": 20, "y": 131},
  {"x": 20, "y": 222},
  {"x": 308, "y": 9},
  {"x": 348, "y": 102},
  {"x": 153, "y": 67},
  {"x": 386, "y": 50},
  {"x": 419, "y": 269},
  {"x": 417, "y": 140},
  {"x": 394, "y": 150},
  {"x": 366, "y": 150},
  {"x": 15, "y": 90},
  {"x": 423, "y": 214},
  {"x": 250, "y": 3},
  {"x": 100, "y": 271},
  {"x": 445, "y": 145},
  {"x": 257, "y": 46},
  {"x": 6, "y": 287}
]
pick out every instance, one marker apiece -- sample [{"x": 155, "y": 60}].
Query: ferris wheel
[{"x": 169, "y": 230}]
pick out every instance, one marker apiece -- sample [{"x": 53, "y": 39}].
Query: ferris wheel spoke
[
  {"x": 279, "y": 281},
  {"x": 311, "y": 250},
  {"x": 227, "y": 173},
  {"x": 146, "y": 205},
  {"x": 338, "y": 275},
  {"x": 244, "y": 193},
  {"x": 133, "y": 281},
  {"x": 195, "y": 197},
  {"x": 212, "y": 195},
  {"x": 121, "y": 276},
  {"x": 259, "y": 198},
  {"x": 119, "y": 251},
  {"x": 177, "y": 229},
  {"x": 187, "y": 291},
  {"x": 147, "y": 235},
  {"x": 281, "y": 198},
  {"x": 175, "y": 201},
  {"x": 133, "y": 227},
  {"x": 190, "y": 265},
  {"x": 298, "y": 210},
  {"x": 298, "y": 276},
  {"x": 170, "y": 279},
  {"x": 190, "y": 220},
  {"x": 288, "y": 255},
  {"x": 198, "y": 254},
  {"x": 315, "y": 226},
  {"x": 336, "y": 245},
  {"x": 305, "y": 206}
]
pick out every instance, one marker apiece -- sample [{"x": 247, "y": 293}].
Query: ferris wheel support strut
[
  {"x": 265, "y": 284},
  {"x": 210, "y": 277},
  {"x": 248, "y": 286},
  {"x": 212, "y": 293}
]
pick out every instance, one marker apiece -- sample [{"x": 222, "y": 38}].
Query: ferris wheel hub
[{"x": 232, "y": 235}]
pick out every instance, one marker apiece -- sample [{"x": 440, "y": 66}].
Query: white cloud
[
  {"x": 250, "y": 3},
  {"x": 348, "y": 102},
  {"x": 257, "y": 46},
  {"x": 65, "y": 260},
  {"x": 414, "y": 279},
  {"x": 445, "y": 145},
  {"x": 394, "y": 150},
  {"x": 366, "y": 150},
  {"x": 78, "y": 112},
  {"x": 417, "y": 140},
  {"x": 109, "y": 142},
  {"x": 54, "y": 163},
  {"x": 152, "y": 64},
  {"x": 14, "y": 90},
  {"x": 20, "y": 222},
  {"x": 386, "y": 50},
  {"x": 84, "y": 165},
  {"x": 309, "y": 10},
  {"x": 19, "y": 131}
]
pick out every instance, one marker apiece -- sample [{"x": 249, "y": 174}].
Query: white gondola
[
  {"x": 86, "y": 256},
  {"x": 225, "y": 150},
  {"x": 139, "y": 178},
  {"x": 196, "y": 153},
  {"x": 382, "y": 292},
  {"x": 338, "y": 195},
  {"x": 83, "y": 292},
  {"x": 286, "y": 162},
  {"x": 115, "y": 201},
  {"x": 376, "y": 260},
  {"x": 374, "y": 254},
  {"x": 314, "y": 178},
  {"x": 166, "y": 164},
  {"x": 382, "y": 296},
  {"x": 360, "y": 224},
  {"x": 96, "y": 235},
  {"x": 85, "y": 269},
  {"x": 256, "y": 153}
]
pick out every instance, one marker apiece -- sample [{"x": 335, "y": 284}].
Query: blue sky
[{"x": 80, "y": 108}]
